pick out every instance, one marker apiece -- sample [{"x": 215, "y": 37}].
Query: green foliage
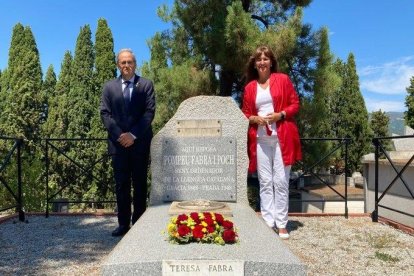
[
  {"x": 80, "y": 96},
  {"x": 386, "y": 257},
  {"x": 21, "y": 117},
  {"x": 48, "y": 91},
  {"x": 349, "y": 114},
  {"x": 105, "y": 69},
  {"x": 216, "y": 37},
  {"x": 379, "y": 124},
  {"x": 58, "y": 106},
  {"x": 105, "y": 66},
  {"x": 180, "y": 82},
  {"x": 409, "y": 103},
  {"x": 22, "y": 114},
  {"x": 316, "y": 112}
]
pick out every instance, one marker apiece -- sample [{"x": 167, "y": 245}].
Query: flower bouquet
[{"x": 203, "y": 227}]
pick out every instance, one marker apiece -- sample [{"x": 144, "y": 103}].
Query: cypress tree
[
  {"x": 316, "y": 113},
  {"x": 24, "y": 102},
  {"x": 56, "y": 127},
  {"x": 80, "y": 101},
  {"x": 22, "y": 113},
  {"x": 57, "y": 121},
  {"x": 409, "y": 103},
  {"x": 105, "y": 69},
  {"x": 351, "y": 115},
  {"x": 48, "y": 91},
  {"x": 1, "y": 93},
  {"x": 379, "y": 124},
  {"x": 81, "y": 94},
  {"x": 105, "y": 57}
]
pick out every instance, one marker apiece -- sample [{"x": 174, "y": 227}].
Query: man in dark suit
[{"x": 127, "y": 110}]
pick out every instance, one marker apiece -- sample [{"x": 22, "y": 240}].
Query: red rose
[
  {"x": 209, "y": 221},
  {"x": 229, "y": 236},
  {"x": 195, "y": 217},
  {"x": 211, "y": 229},
  {"x": 198, "y": 232},
  {"x": 182, "y": 217},
  {"x": 207, "y": 214},
  {"x": 227, "y": 224},
  {"x": 183, "y": 230},
  {"x": 219, "y": 218}
]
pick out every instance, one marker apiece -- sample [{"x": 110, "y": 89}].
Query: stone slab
[
  {"x": 144, "y": 247},
  {"x": 201, "y": 167}
]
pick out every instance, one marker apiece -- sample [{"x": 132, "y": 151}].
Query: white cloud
[
  {"x": 388, "y": 106},
  {"x": 391, "y": 78}
]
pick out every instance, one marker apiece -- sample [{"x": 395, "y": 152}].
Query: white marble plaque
[
  {"x": 202, "y": 268},
  {"x": 194, "y": 168}
]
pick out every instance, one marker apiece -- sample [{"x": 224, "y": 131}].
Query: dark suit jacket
[{"x": 136, "y": 119}]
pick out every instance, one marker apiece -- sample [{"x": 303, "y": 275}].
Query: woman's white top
[{"x": 264, "y": 106}]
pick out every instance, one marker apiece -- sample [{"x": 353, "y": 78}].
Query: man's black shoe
[{"x": 120, "y": 231}]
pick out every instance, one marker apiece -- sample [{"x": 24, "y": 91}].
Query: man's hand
[{"x": 126, "y": 139}]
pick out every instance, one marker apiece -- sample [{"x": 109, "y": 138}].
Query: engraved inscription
[{"x": 199, "y": 168}]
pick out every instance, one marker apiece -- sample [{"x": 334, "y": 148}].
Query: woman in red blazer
[{"x": 270, "y": 102}]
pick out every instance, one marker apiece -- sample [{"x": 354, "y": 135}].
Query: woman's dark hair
[{"x": 251, "y": 72}]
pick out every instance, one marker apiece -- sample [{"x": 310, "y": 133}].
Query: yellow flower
[
  {"x": 204, "y": 223},
  {"x": 219, "y": 240},
  {"x": 171, "y": 227},
  {"x": 204, "y": 230},
  {"x": 201, "y": 215},
  {"x": 190, "y": 222}
]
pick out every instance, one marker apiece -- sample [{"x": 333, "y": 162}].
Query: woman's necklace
[{"x": 263, "y": 84}]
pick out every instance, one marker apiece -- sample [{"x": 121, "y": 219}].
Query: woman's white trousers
[{"x": 274, "y": 182}]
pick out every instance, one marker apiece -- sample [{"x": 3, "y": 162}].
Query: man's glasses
[{"x": 129, "y": 62}]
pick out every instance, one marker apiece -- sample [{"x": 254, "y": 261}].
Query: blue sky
[{"x": 377, "y": 32}]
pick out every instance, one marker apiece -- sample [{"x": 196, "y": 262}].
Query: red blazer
[{"x": 284, "y": 98}]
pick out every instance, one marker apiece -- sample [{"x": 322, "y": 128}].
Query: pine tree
[
  {"x": 213, "y": 39},
  {"x": 379, "y": 124},
  {"x": 409, "y": 103}
]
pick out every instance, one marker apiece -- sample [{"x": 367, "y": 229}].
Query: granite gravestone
[{"x": 201, "y": 153}]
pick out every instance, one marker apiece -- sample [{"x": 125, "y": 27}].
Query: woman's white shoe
[{"x": 284, "y": 236}]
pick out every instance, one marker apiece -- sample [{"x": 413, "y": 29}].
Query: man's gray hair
[{"x": 126, "y": 50}]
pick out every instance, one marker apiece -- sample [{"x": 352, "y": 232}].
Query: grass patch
[
  {"x": 381, "y": 241},
  {"x": 386, "y": 257}
]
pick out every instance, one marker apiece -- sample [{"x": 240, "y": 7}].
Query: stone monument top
[{"x": 201, "y": 152}]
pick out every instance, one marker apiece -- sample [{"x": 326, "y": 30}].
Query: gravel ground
[{"x": 77, "y": 245}]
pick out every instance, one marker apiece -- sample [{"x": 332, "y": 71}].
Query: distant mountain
[{"x": 397, "y": 123}]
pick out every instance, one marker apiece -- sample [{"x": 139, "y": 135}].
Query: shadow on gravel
[
  {"x": 48, "y": 245},
  {"x": 294, "y": 225}
]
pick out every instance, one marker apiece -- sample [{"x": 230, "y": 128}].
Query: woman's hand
[
  {"x": 273, "y": 117},
  {"x": 261, "y": 121}
]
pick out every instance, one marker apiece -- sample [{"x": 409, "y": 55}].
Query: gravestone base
[
  {"x": 144, "y": 249},
  {"x": 175, "y": 209}
]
